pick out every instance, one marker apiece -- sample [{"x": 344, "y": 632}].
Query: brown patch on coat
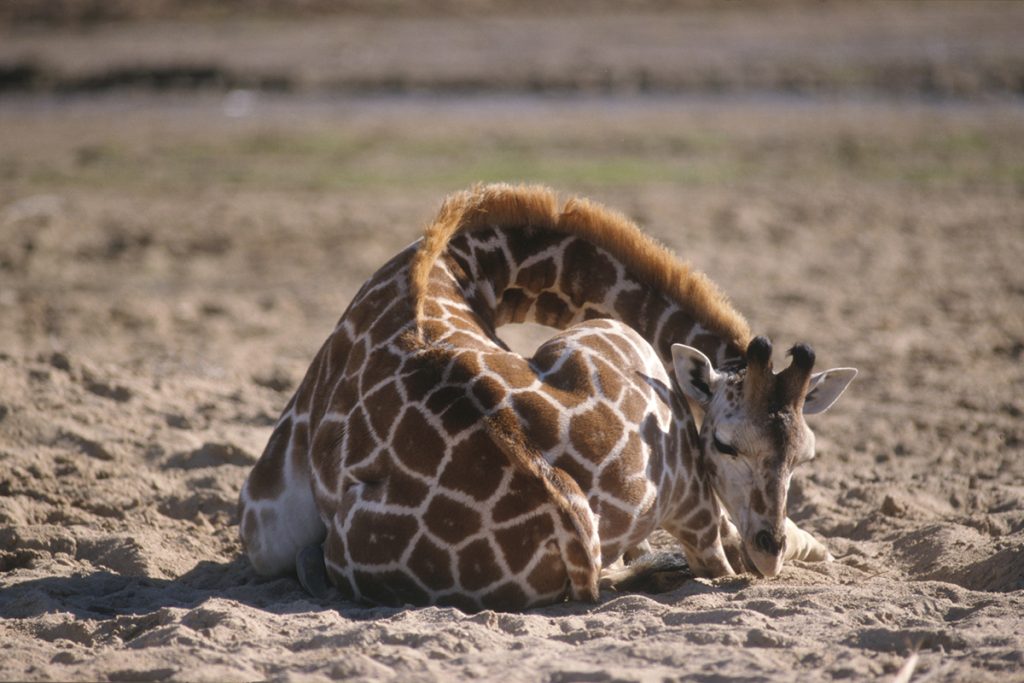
[{"x": 266, "y": 479}]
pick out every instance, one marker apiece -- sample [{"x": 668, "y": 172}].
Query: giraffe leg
[
  {"x": 277, "y": 510},
  {"x": 732, "y": 542},
  {"x": 650, "y": 573},
  {"x": 642, "y": 548},
  {"x": 311, "y": 570},
  {"x": 800, "y": 545}
]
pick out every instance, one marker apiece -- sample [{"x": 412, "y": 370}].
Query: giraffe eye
[{"x": 722, "y": 447}]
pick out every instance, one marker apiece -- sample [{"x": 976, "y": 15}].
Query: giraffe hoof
[{"x": 312, "y": 573}]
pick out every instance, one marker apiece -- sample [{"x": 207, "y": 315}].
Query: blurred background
[{"x": 176, "y": 135}]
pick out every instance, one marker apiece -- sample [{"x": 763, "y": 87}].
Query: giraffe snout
[{"x": 767, "y": 543}]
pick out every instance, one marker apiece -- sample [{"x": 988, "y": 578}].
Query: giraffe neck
[
  {"x": 499, "y": 254},
  {"x": 516, "y": 275}
]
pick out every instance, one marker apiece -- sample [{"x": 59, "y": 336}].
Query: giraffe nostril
[{"x": 766, "y": 543}]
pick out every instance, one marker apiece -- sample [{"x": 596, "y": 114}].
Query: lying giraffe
[{"x": 422, "y": 462}]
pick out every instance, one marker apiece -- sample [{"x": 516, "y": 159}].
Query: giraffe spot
[
  {"x": 382, "y": 536},
  {"x": 687, "y": 538},
  {"x": 463, "y": 367},
  {"x": 636, "y": 305},
  {"x": 757, "y": 502},
  {"x": 622, "y": 346},
  {"x": 369, "y": 478},
  {"x": 634, "y": 403},
  {"x": 530, "y": 240},
  {"x": 417, "y": 444},
  {"x": 381, "y": 407},
  {"x": 514, "y": 306},
  {"x": 613, "y": 522},
  {"x": 267, "y": 477},
  {"x": 576, "y": 554},
  {"x": 463, "y": 340},
  {"x": 633, "y": 458},
  {"x": 599, "y": 343},
  {"x": 405, "y": 490},
  {"x": 431, "y": 564},
  {"x": 699, "y": 519},
  {"x": 549, "y": 575},
  {"x": 547, "y": 355},
  {"x": 338, "y": 347},
  {"x": 538, "y": 276},
  {"x": 493, "y": 265},
  {"x": 367, "y": 306},
  {"x": 512, "y": 369},
  {"x": 489, "y": 392},
  {"x": 609, "y": 380},
  {"x": 539, "y": 419},
  {"x": 393, "y": 588},
  {"x": 397, "y": 316},
  {"x": 343, "y": 397},
  {"x": 707, "y": 343},
  {"x": 327, "y": 442},
  {"x": 691, "y": 498},
  {"x": 359, "y": 442},
  {"x": 552, "y": 310},
  {"x": 478, "y": 566},
  {"x": 476, "y": 467},
  {"x": 708, "y": 538},
  {"x": 450, "y": 520},
  {"x": 356, "y": 359},
  {"x": 652, "y": 434},
  {"x": 506, "y": 598},
  {"x": 570, "y": 384},
  {"x": 334, "y": 554},
  {"x": 587, "y": 273},
  {"x": 595, "y": 432},
  {"x": 462, "y": 318},
  {"x": 524, "y": 495},
  {"x": 382, "y": 364},
  {"x": 676, "y": 329},
  {"x": 440, "y": 399},
  {"x": 456, "y": 410},
  {"x": 575, "y": 469},
  {"x": 619, "y": 481},
  {"x": 304, "y": 394},
  {"x": 422, "y": 378},
  {"x": 520, "y": 542},
  {"x": 433, "y": 309}
]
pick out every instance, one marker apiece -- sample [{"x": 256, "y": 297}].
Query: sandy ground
[{"x": 169, "y": 265}]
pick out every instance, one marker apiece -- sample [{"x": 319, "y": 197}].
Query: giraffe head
[{"x": 753, "y": 434}]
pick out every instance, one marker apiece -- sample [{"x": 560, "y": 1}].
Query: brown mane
[{"x": 508, "y": 206}]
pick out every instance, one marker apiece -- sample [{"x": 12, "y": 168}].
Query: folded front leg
[{"x": 800, "y": 545}]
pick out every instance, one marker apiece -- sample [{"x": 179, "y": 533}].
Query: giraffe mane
[{"x": 518, "y": 206}]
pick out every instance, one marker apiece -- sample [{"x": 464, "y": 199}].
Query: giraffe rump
[{"x": 510, "y": 207}]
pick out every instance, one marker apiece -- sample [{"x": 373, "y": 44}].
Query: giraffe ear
[
  {"x": 825, "y": 388},
  {"x": 694, "y": 373}
]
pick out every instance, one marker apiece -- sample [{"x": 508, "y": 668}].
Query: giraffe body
[{"x": 439, "y": 467}]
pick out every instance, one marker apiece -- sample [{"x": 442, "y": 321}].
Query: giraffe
[{"x": 421, "y": 461}]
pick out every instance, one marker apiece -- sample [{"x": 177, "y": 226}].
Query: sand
[{"x": 169, "y": 264}]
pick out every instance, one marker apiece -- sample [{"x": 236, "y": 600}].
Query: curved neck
[{"x": 556, "y": 279}]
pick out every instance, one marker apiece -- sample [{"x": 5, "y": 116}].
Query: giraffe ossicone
[{"x": 426, "y": 463}]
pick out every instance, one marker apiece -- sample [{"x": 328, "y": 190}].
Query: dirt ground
[{"x": 170, "y": 262}]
